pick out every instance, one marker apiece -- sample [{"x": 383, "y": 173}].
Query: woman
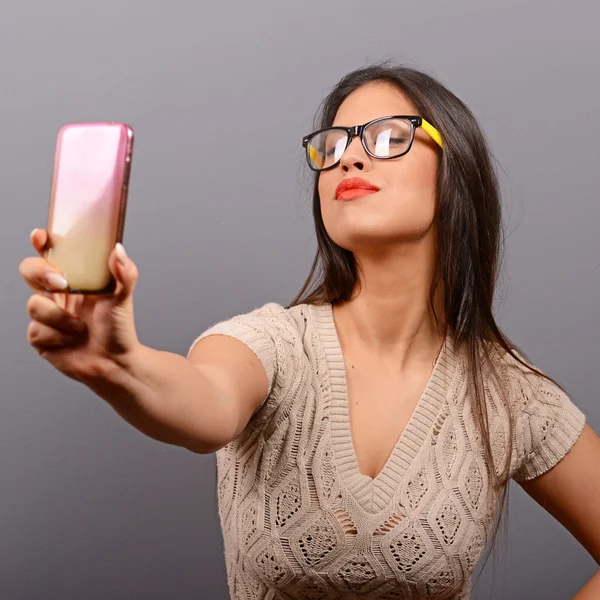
[{"x": 366, "y": 433}]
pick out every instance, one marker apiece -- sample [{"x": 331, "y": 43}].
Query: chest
[{"x": 380, "y": 404}]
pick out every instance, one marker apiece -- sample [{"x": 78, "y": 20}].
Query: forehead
[{"x": 371, "y": 101}]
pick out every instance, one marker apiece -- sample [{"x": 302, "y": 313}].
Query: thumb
[{"x": 124, "y": 271}]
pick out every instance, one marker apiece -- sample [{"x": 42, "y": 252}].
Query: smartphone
[{"x": 88, "y": 198}]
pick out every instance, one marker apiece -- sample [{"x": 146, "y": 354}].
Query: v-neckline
[{"x": 375, "y": 494}]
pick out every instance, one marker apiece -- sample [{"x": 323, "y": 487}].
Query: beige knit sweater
[{"x": 300, "y": 521}]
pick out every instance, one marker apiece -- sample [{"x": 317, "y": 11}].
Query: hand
[{"x": 84, "y": 336}]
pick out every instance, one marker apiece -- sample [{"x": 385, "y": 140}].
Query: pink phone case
[{"x": 88, "y": 200}]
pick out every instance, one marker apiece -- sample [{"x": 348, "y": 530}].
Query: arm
[
  {"x": 200, "y": 403},
  {"x": 591, "y": 590},
  {"x": 570, "y": 492}
]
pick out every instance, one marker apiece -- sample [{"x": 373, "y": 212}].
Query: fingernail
[
  {"x": 121, "y": 254},
  {"x": 32, "y": 232},
  {"x": 57, "y": 281}
]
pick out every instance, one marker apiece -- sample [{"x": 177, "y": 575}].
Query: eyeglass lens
[{"x": 384, "y": 139}]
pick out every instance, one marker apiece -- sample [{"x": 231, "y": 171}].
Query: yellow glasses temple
[{"x": 432, "y": 131}]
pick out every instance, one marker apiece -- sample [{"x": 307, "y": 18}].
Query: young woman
[{"x": 365, "y": 434}]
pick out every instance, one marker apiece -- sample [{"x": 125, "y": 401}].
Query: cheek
[
  {"x": 416, "y": 200},
  {"x": 419, "y": 175},
  {"x": 329, "y": 207},
  {"x": 415, "y": 192},
  {"x": 326, "y": 186}
]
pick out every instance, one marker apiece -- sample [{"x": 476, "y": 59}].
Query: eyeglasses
[{"x": 386, "y": 137}]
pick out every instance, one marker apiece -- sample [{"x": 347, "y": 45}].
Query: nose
[{"x": 355, "y": 156}]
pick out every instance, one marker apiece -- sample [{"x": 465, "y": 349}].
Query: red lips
[{"x": 354, "y": 188}]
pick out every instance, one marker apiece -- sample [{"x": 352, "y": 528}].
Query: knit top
[{"x": 300, "y": 521}]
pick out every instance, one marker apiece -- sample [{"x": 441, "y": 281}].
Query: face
[{"x": 403, "y": 209}]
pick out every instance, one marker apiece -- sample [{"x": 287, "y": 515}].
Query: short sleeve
[
  {"x": 547, "y": 423},
  {"x": 265, "y": 331}
]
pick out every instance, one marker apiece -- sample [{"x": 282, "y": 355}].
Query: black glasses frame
[{"x": 357, "y": 131}]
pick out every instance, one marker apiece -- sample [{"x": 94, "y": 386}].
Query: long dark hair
[{"x": 469, "y": 237}]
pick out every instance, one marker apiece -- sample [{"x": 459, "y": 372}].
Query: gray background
[{"x": 90, "y": 507}]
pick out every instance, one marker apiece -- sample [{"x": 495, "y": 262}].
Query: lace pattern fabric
[{"x": 300, "y": 521}]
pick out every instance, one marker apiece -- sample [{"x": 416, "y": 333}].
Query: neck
[{"x": 389, "y": 317}]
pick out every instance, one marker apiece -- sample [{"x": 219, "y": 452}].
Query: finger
[
  {"x": 42, "y": 337},
  {"x": 124, "y": 271},
  {"x": 39, "y": 275},
  {"x": 46, "y": 312},
  {"x": 39, "y": 239},
  {"x": 72, "y": 303}
]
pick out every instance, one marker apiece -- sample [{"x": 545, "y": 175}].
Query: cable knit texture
[{"x": 300, "y": 521}]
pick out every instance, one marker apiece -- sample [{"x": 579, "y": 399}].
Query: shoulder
[
  {"x": 547, "y": 420},
  {"x": 286, "y": 324},
  {"x": 270, "y": 324},
  {"x": 528, "y": 385},
  {"x": 270, "y": 316},
  {"x": 273, "y": 332},
  {"x": 289, "y": 322}
]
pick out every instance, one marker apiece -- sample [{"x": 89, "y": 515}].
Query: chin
[
  {"x": 361, "y": 240},
  {"x": 375, "y": 238},
  {"x": 368, "y": 228}
]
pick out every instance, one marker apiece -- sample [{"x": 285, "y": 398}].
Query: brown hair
[{"x": 469, "y": 236}]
